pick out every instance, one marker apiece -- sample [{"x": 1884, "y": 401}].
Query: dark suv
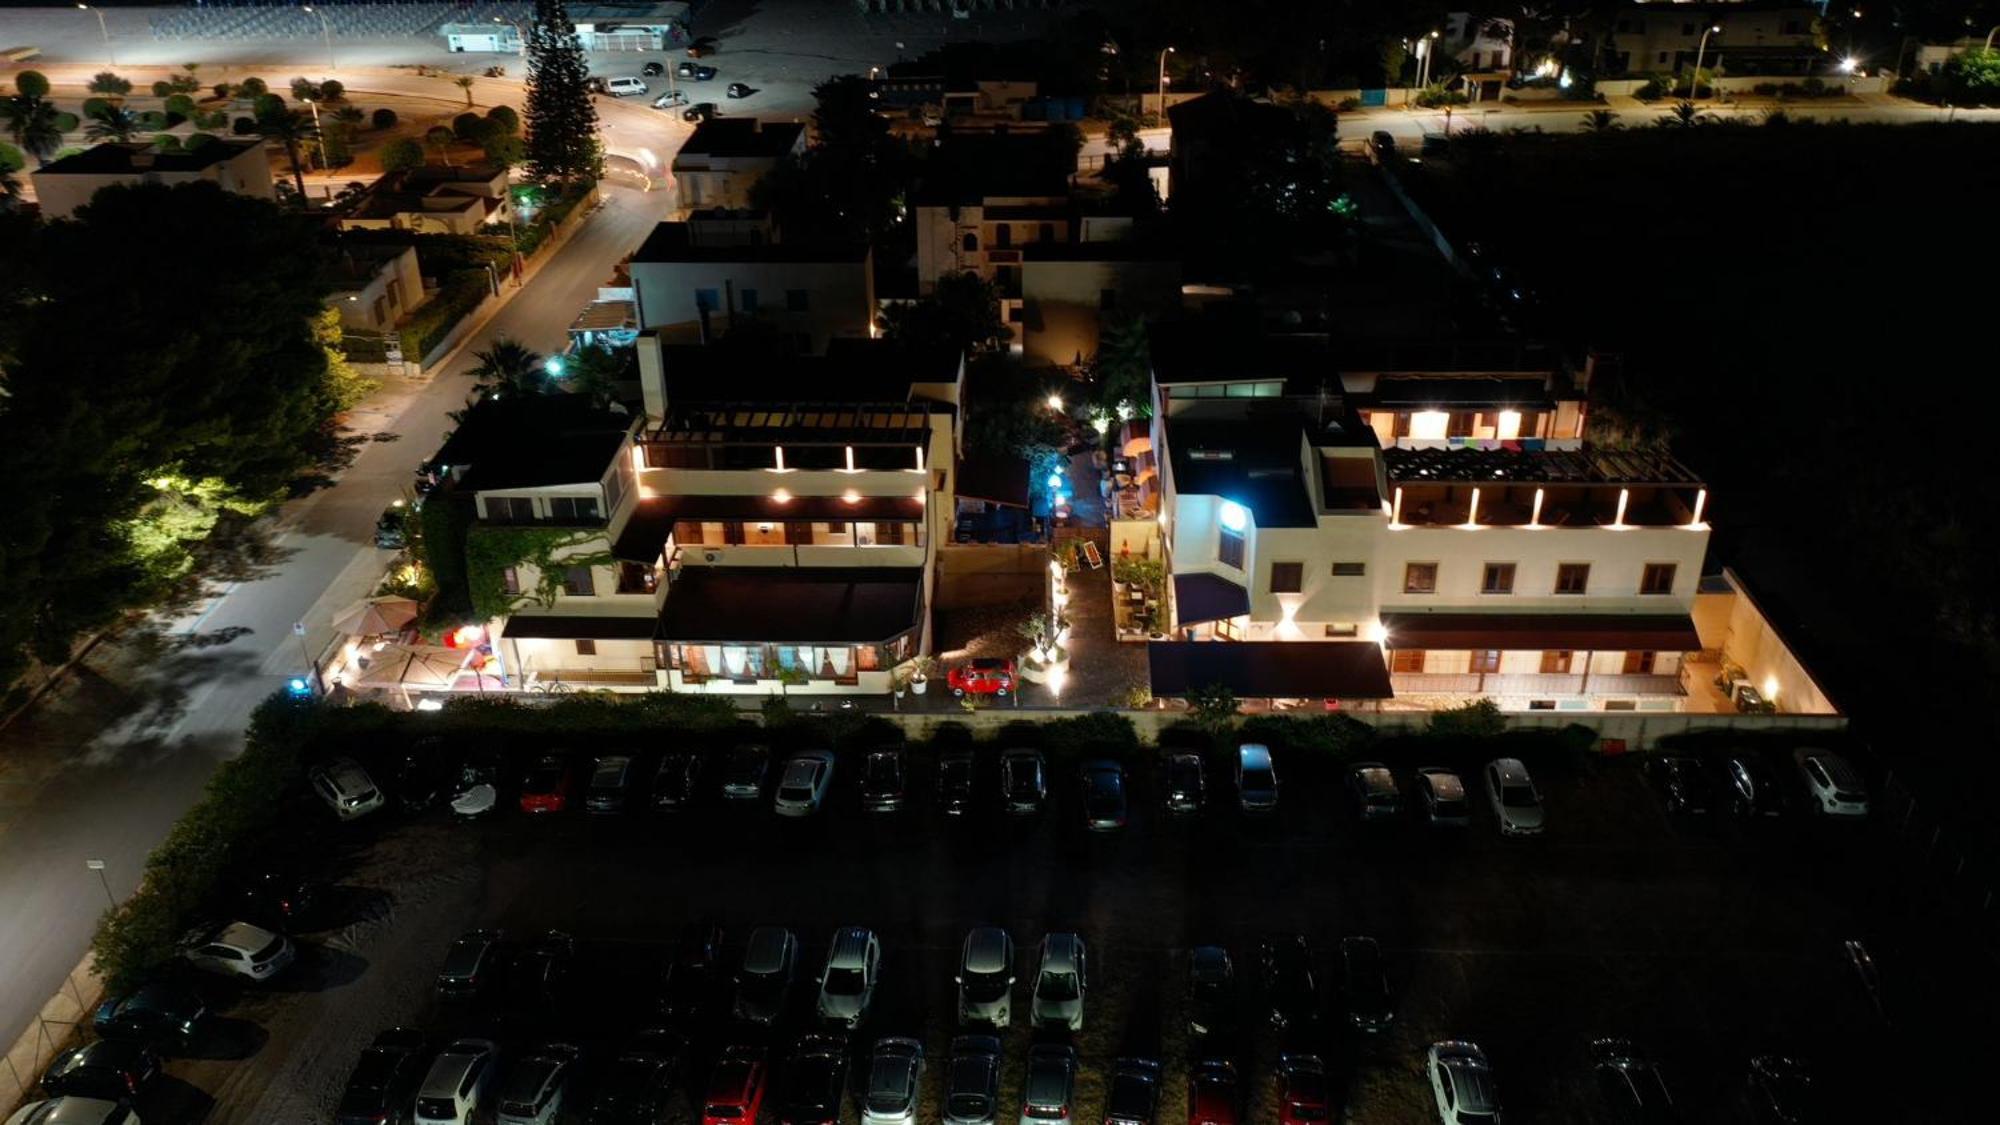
[{"x": 1135, "y": 1093}]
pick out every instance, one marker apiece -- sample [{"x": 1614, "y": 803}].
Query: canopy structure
[
  {"x": 373, "y": 617},
  {"x": 1271, "y": 669},
  {"x": 415, "y": 666},
  {"x": 1593, "y": 632}
]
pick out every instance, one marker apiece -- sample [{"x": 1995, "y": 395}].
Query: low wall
[
  {"x": 49, "y": 1033},
  {"x": 989, "y": 574}
]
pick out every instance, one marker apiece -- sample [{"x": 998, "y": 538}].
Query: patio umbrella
[
  {"x": 1138, "y": 445},
  {"x": 375, "y": 616},
  {"x": 405, "y": 667}
]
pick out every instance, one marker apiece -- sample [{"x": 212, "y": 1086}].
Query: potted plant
[{"x": 921, "y": 668}]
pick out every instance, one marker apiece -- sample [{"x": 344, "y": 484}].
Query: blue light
[
  {"x": 1055, "y": 480},
  {"x": 1233, "y": 516},
  {"x": 299, "y": 686},
  {"x": 554, "y": 366}
]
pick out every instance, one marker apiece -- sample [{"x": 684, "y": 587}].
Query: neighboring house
[
  {"x": 1756, "y": 38},
  {"x": 698, "y": 280},
  {"x": 1067, "y": 289},
  {"x": 725, "y": 157},
  {"x": 374, "y": 285},
  {"x": 1207, "y": 131},
  {"x": 599, "y": 27},
  {"x": 989, "y": 197},
  {"x": 1540, "y": 572},
  {"x": 1480, "y": 44},
  {"x": 64, "y": 185},
  {"x": 490, "y": 37},
  {"x": 434, "y": 199}
]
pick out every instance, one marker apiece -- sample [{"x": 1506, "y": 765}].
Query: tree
[
  {"x": 1122, "y": 369},
  {"x": 401, "y": 154},
  {"x": 350, "y": 115},
  {"x": 34, "y": 121},
  {"x": 383, "y": 118},
  {"x": 105, "y": 82},
  {"x": 439, "y": 139},
  {"x": 1685, "y": 115},
  {"x": 32, "y": 84},
  {"x": 109, "y": 122},
  {"x": 464, "y": 83},
  {"x": 504, "y": 118},
  {"x": 510, "y": 365},
  {"x": 276, "y": 122},
  {"x": 500, "y": 148},
  {"x": 1213, "y": 707},
  {"x": 468, "y": 127},
  {"x": 1601, "y": 121},
  {"x": 962, "y": 313},
  {"x": 562, "y": 121}
]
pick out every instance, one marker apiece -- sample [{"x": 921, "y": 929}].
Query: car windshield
[
  {"x": 795, "y": 793},
  {"x": 441, "y": 1109},
  {"x": 985, "y": 986},
  {"x": 545, "y": 776},
  {"x": 270, "y": 949},
  {"x": 883, "y": 771},
  {"x": 463, "y": 958},
  {"x": 843, "y": 982},
  {"x": 1519, "y": 797},
  {"x": 1058, "y": 986},
  {"x": 954, "y": 775},
  {"x": 1022, "y": 773},
  {"x": 1257, "y": 779}
]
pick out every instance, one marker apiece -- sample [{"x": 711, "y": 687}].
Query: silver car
[
  {"x": 1462, "y": 1084},
  {"x": 1061, "y": 980},
  {"x": 243, "y": 950},
  {"x": 802, "y": 787},
  {"x": 1048, "y": 1095},
  {"x": 895, "y": 1079},
  {"x": 346, "y": 788},
  {"x": 1515, "y": 800},
  {"x": 847, "y": 984},
  {"x": 535, "y": 1087},
  {"x": 986, "y": 978},
  {"x": 74, "y": 1111}
]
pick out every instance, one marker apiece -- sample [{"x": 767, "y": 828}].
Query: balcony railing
[{"x": 1553, "y": 685}]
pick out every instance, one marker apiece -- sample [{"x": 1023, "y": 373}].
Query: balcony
[{"x": 1534, "y": 685}]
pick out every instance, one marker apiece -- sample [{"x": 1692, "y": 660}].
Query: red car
[
  {"x": 1301, "y": 1090},
  {"x": 736, "y": 1089},
  {"x": 982, "y": 677},
  {"x": 548, "y": 785},
  {"x": 1212, "y": 1093}
]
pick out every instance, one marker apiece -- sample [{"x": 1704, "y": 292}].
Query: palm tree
[
  {"x": 35, "y": 124},
  {"x": 1601, "y": 121},
  {"x": 511, "y": 366},
  {"x": 1685, "y": 115},
  {"x": 464, "y": 82},
  {"x": 109, "y": 122},
  {"x": 293, "y": 129},
  {"x": 350, "y": 115}
]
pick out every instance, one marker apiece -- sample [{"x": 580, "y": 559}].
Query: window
[
  {"x": 707, "y": 300},
  {"x": 1420, "y": 578},
  {"x": 1046, "y": 232},
  {"x": 510, "y": 509},
  {"x": 510, "y": 581},
  {"x": 971, "y": 242},
  {"x": 1662, "y": 60},
  {"x": 1107, "y": 300},
  {"x": 797, "y": 300},
  {"x": 586, "y": 647},
  {"x": 1407, "y": 661},
  {"x": 1498, "y": 579},
  {"x": 637, "y": 578},
  {"x": 1229, "y": 549},
  {"x": 1003, "y": 235},
  {"x": 1287, "y": 577},
  {"x": 749, "y": 300},
  {"x": 1486, "y": 660},
  {"x": 1556, "y": 661},
  {"x": 1350, "y": 570},
  {"x": 1639, "y": 663},
  {"x": 1343, "y": 630},
  {"x": 1657, "y": 579},
  {"x": 573, "y": 509},
  {"x": 1572, "y": 578},
  {"x": 577, "y": 582}
]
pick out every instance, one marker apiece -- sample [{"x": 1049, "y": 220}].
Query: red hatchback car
[
  {"x": 547, "y": 787},
  {"x": 1301, "y": 1090},
  {"x": 982, "y": 677},
  {"x": 736, "y": 1089},
  {"x": 1212, "y": 1093}
]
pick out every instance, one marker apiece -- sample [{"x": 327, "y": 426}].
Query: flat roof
[
  {"x": 1271, "y": 669},
  {"x": 1212, "y": 350},
  {"x": 523, "y": 441},
  {"x": 674, "y": 242},
  {"x": 1591, "y": 632},
  {"x": 740, "y": 137},
  {"x": 853, "y": 370},
  {"x": 646, "y": 531},
  {"x": 1253, "y": 463},
  {"x": 792, "y": 605},
  {"x": 1419, "y": 393},
  {"x": 137, "y": 158},
  {"x": 1528, "y": 459}
]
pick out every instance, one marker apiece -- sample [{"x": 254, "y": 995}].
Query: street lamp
[
  {"x": 113, "y": 56},
  {"x": 326, "y": 31},
  {"x": 1988, "y": 47},
  {"x": 1164, "y": 52},
  {"x": 97, "y": 865},
  {"x": 1426, "y": 47},
  {"x": 324, "y": 163},
  {"x": 1694, "y": 80}
]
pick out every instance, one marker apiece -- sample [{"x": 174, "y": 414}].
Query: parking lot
[{"x": 1705, "y": 939}]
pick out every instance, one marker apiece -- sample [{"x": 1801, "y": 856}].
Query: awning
[
  {"x": 1271, "y": 669},
  {"x": 373, "y": 617},
  {"x": 1208, "y": 597},
  {"x": 792, "y": 605},
  {"x": 996, "y": 479},
  {"x": 561, "y": 626},
  {"x": 1135, "y": 446},
  {"x": 654, "y": 517},
  {"x": 1597, "y": 632}
]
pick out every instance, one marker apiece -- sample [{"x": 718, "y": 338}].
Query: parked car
[
  {"x": 652, "y": 70},
  {"x": 697, "y": 72},
  {"x": 384, "y": 1080},
  {"x": 610, "y": 784},
  {"x": 700, "y": 111},
  {"x": 471, "y": 966},
  {"x": 694, "y": 977},
  {"x": 1103, "y": 795},
  {"x": 1382, "y": 145},
  {"x": 1462, "y": 1083},
  {"x": 639, "y": 1085},
  {"x": 111, "y": 1069},
  {"x": 736, "y": 1087},
  {"x": 1373, "y": 790},
  {"x": 815, "y": 1082},
  {"x": 1682, "y": 781},
  {"x": 1445, "y": 803},
  {"x": 895, "y": 1082},
  {"x": 675, "y": 781},
  {"x": 1835, "y": 787},
  {"x": 392, "y": 527},
  {"x": 275, "y": 898},
  {"x": 1062, "y": 979},
  {"x": 536, "y": 1086},
  {"x": 626, "y": 86},
  {"x": 1023, "y": 781},
  {"x": 420, "y": 775},
  {"x": 986, "y": 978},
  {"x": 670, "y": 99},
  {"x": 242, "y": 950},
  {"x": 1134, "y": 1096},
  {"x": 1211, "y": 990},
  {"x": 1751, "y": 786},
  {"x": 847, "y": 984},
  {"x": 1049, "y": 1092},
  {"x": 548, "y": 784},
  {"x": 743, "y": 773},
  {"x": 764, "y": 984},
  {"x": 1291, "y": 991},
  {"x": 955, "y": 781},
  {"x": 1364, "y": 984},
  {"x": 985, "y": 676},
  {"x": 477, "y": 791},
  {"x": 738, "y": 90},
  {"x": 1186, "y": 788},
  {"x": 162, "y": 1013},
  {"x": 1629, "y": 1085},
  {"x": 537, "y": 977},
  {"x": 1256, "y": 778},
  {"x": 702, "y": 47},
  {"x": 803, "y": 785},
  {"x": 1515, "y": 800},
  {"x": 1302, "y": 1092},
  {"x": 457, "y": 1084},
  {"x": 346, "y": 788},
  {"x": 882, "y": 779},
  {"x": 972, "y": 1081},
  {"x": 1212, "y": 1092},
  {"x": 1784, "y": 1090},
  {"x": 74, "y": 1111}
]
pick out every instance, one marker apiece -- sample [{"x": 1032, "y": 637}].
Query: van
[{"x": 625, "y": 87}]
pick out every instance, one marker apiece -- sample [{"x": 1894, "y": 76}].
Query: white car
[
  {"x": 1462, "y": 1084},
  {"x": 74, "y": 1111},
  {"x": 847, "y": 984},
  {"x": 1515, "y": 800},
  {"x": 241, "y": 949},
  {"x": 1256, "y": 778},
  {"x": 895, "y": 1081},
  {"x": 1061, "y": 980},
  {"x": 346, "y": 787},
  {"x": 1835, "y": 787},
  {"x": 802, "y": 787},
  {"x": 456, "y": 1085}
]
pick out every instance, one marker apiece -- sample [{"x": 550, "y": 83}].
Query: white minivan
[{"x": 625, "y": 87}]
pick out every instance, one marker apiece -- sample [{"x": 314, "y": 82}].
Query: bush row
[{"x": 460, "y": 292}]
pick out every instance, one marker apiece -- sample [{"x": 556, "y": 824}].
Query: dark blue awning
[{"x": 1208, "y": 597}]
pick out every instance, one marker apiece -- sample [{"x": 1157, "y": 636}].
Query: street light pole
[
  {"x": 1988, "y": 47},
  {"x": 318, "y": 136},
  {"x": 106, "y": 32},
  {"x": 97, "y": 865},
  {"x": 1694, "y": 79},
  {"x": 327, "y": 33},
  {"x": 1164, "y": 52}
]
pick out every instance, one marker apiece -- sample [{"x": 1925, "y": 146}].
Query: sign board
[{"x": 298, "y": 628}]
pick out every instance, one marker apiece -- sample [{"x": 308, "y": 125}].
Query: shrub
[
  {"x": 223, "y": 90},
  {"x": 243, "y": 126},
  {"x": 211, "y": 119},
  {"x": 1100, "y": 732},
  {"x": 304, "y": 90},
  {"x": 105, "y": 82},
  {"x": 332, "y": 90},
  {"x": 401, "y": 153},
  {"x": 1813, "y": 87},
  {"x": 11, "y": 160},
  {"x": 1480, "y": 718},
  {"x": 195, "y": 142},
  {"x": 153, "y": 119},
  {"x": 1654, "y": 88},
  {"x": 460, "y": 293},
  {"x": 163, "y": 89},
  {"x": 504, "y": 117},
  {"x": 384, "y": 118},
  {"x": 1339, "y": 736},
  {"x": 1213, "y": 707},
  {"x": 468, "y": 127},
  {"x": 181, "y": 105},
  {"x": 166, "y": 142},
  {"x": 267, "y": 106},
  {"x": 94, "y": 106},
  {"x": 252, "y": 88},
  {"x": 1347, "y": 105},
  {"x": 32, "y": 84}
]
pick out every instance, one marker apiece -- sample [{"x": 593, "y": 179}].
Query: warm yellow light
[
  {"x": 1377, "y": 632},
  {"x": 1535, "y": 516},
  {"x": 1056, "y": 403},
  {"x": 1055, "y": 677},
  {"x": 851, "y": 496},
  {"x": 1429, "y": 425},
  {"x": 1508, "y": 425},
  {"x": 1396, "y": 509},
  {"x": 781, "y": 496},
  {"x": 1472, "y": 514},
  {"x": 1770, "y": 689}
]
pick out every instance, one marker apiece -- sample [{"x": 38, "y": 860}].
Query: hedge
[{"x": 460, "y": 293}]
